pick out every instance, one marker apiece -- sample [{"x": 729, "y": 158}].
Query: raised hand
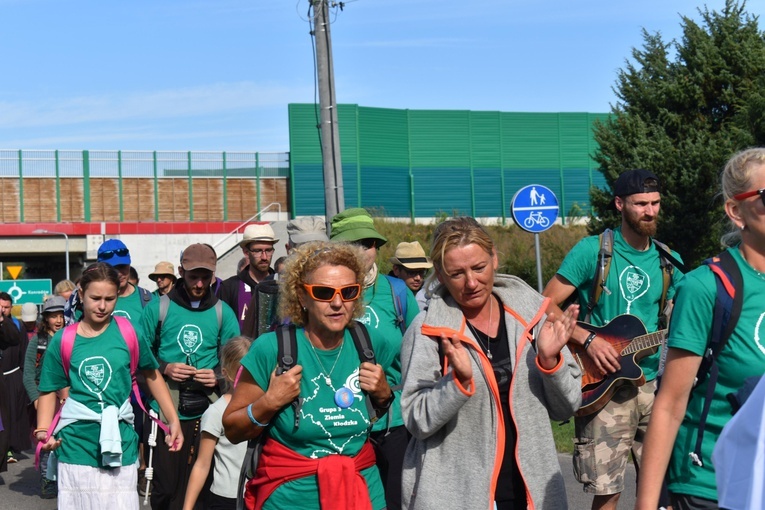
[
  {"x": 555, "y": 333},
  {"x": 284, "y": 388},
  {"x": 372, "y": 380},
  {"x": 458, "y": 358}
]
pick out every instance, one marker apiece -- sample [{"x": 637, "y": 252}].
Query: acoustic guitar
[{"x": 627, "y": 334}]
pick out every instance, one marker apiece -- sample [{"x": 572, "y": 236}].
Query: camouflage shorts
[{"x": 604, "y": 440}]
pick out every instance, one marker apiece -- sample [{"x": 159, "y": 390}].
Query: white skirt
[{"x": 86, "y": 487}]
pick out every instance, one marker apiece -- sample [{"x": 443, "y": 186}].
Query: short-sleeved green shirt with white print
[
  {"x": 326, "y": 428},
  {"x": 743, "y": 356},
  {"x": 99, "y": 371},
  {"x": 635, "y": 281},
  {"x": 188, "y": 336},
  {"x": 380, "y": 317},
  {"x": 131, "y": 307}
]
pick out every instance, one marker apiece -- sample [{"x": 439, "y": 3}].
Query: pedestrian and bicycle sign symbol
[{"x": 534, "y": 208}]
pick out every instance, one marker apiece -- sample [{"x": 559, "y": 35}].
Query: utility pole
[{"x": 334, "y": 201}]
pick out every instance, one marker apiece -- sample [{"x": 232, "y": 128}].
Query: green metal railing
[{"x": 23, "y": 165}]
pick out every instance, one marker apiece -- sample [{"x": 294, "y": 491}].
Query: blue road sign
[{"x": 534, "y": 208}]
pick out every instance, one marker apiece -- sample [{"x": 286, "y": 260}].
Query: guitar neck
[{"x": 643, "y": 342}]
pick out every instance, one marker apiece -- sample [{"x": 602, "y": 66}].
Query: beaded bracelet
[
  {"x": 252, "y": 418},
  {"x": 589, "y": 340}
]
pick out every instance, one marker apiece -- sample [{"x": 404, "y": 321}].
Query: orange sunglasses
[{"x": 327, "y": 293}]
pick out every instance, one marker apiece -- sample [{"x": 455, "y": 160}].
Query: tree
[{"x": 683, "y": 109}]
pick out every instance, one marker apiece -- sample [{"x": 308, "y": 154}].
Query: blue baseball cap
[{"x": 114, "y": 252}]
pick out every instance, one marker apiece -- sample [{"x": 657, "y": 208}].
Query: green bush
[{"x": 515, "y": 247}]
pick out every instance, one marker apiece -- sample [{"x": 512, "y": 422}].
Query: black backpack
[{"x": 286, "y": 338}]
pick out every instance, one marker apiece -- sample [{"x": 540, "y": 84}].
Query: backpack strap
[
  {"x": 145, "y": 295},
  {"x": 398, "y": 289},
  {"x": 667, "y": 268},
  {"x": 286, "y": 341},
  {"x": 603, "y": 266},
  {"x": 363, "y": 344},
  {"x": 164, "y": 306},
  {"x": 727, "y": 310},
  {"x": 67, "y": 345}
]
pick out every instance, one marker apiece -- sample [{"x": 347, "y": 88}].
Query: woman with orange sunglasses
[{"x": 321, "y": 445}]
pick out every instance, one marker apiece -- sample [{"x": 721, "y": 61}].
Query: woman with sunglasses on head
[
  {"x": 673, "y": 429},
  {"x": 320, "y": 458},
  {"x": 94, "y": 441},
  {"x": 483, "y": 375}
]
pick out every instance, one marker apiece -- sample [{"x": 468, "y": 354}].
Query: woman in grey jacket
[{"x": 483, "y": 374}]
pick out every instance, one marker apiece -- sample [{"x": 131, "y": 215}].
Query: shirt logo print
[
  {"x": 190, "y": 338},
  {"x": 634, "y": 282},
  {"x": 95, "y": 373}
]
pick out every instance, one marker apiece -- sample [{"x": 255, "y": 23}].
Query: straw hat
[{"x": 411, "y": 256}]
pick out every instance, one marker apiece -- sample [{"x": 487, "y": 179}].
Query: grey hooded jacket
[{"x": 454, "y": 457}]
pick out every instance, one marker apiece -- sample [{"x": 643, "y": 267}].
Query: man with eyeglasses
[
  {"x": 131, "y": 299},
  {"x": 389, "y": 308},
  {"x": 258, "y": 248},
  {"x": 186, "y": 329}
]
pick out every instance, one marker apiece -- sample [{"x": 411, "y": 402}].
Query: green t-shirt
[
  {"x": 635, "y": 280},
  {"x": 743, "y": 356},
  {"x": 131, "y": 307},
  {"x": 188, "y": 336},
  {"x": 380, "y": 317},
  {"x": 99, "y": 366},
  {"x": 325, "y": 427}
]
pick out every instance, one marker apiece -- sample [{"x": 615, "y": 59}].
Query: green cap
[{"x": 354, "y": 225}]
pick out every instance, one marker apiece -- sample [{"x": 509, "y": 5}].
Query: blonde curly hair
[{"x": 301, "y": 264}]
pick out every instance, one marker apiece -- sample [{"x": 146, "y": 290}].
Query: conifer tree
[{"x": 684, "y": 107}]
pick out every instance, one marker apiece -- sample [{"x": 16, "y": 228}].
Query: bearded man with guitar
[{"x": 619, "y": 372}]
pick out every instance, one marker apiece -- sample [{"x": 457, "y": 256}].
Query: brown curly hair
[{"x": 303, "y": 262}]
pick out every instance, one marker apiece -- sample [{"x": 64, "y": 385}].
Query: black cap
[{"x": 636, "y": 181}]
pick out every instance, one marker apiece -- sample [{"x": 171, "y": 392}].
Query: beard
[{"x": 641, "y": 226}]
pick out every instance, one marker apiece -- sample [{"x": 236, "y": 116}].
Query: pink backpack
[{"x": 67, "y": 346}]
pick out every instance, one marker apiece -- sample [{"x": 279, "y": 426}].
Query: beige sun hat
[
  {"x": 161, "y": 269},
  {"x": 261, "y": 232},
  {"x": 411, "y": 256}
]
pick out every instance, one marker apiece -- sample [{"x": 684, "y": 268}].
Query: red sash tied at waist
[{"x": 341, "y": 485}]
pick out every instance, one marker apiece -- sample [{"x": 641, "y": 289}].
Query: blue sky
[{"x": 219, "y": 74}]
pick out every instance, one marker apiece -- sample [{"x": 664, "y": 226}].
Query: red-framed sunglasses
[
  {"x": 327, "y": 293},
  {"x": 747, "y": 194}
]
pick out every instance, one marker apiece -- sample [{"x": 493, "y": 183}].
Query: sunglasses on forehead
[
  {"x": 327, "y": 293},
  {"x": 747, "y": 194},
  {"x": 106, "y": 255}
]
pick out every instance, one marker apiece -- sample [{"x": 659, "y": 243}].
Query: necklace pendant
[
  {"x": 328, "y": 380},
  {"x": 488, "y": 355}
]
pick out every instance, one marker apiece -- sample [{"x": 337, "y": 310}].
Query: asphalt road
[{"x": 20, "y": 487}]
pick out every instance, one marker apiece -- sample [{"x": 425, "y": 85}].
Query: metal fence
[{"x": 159, "y": 175}]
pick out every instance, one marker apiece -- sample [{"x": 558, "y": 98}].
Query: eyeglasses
[
  {"x": 367, "y": 244},
  {"x": 742, "y": 196},
  {"x": 106, "y": 255},
  {"x": 258, "y": 252},
  {"x": 327, "y": 293}
]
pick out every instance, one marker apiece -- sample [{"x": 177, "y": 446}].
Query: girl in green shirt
[
  {"x": 95, "y": 442},
  {"x": 675, "y": 419}
]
